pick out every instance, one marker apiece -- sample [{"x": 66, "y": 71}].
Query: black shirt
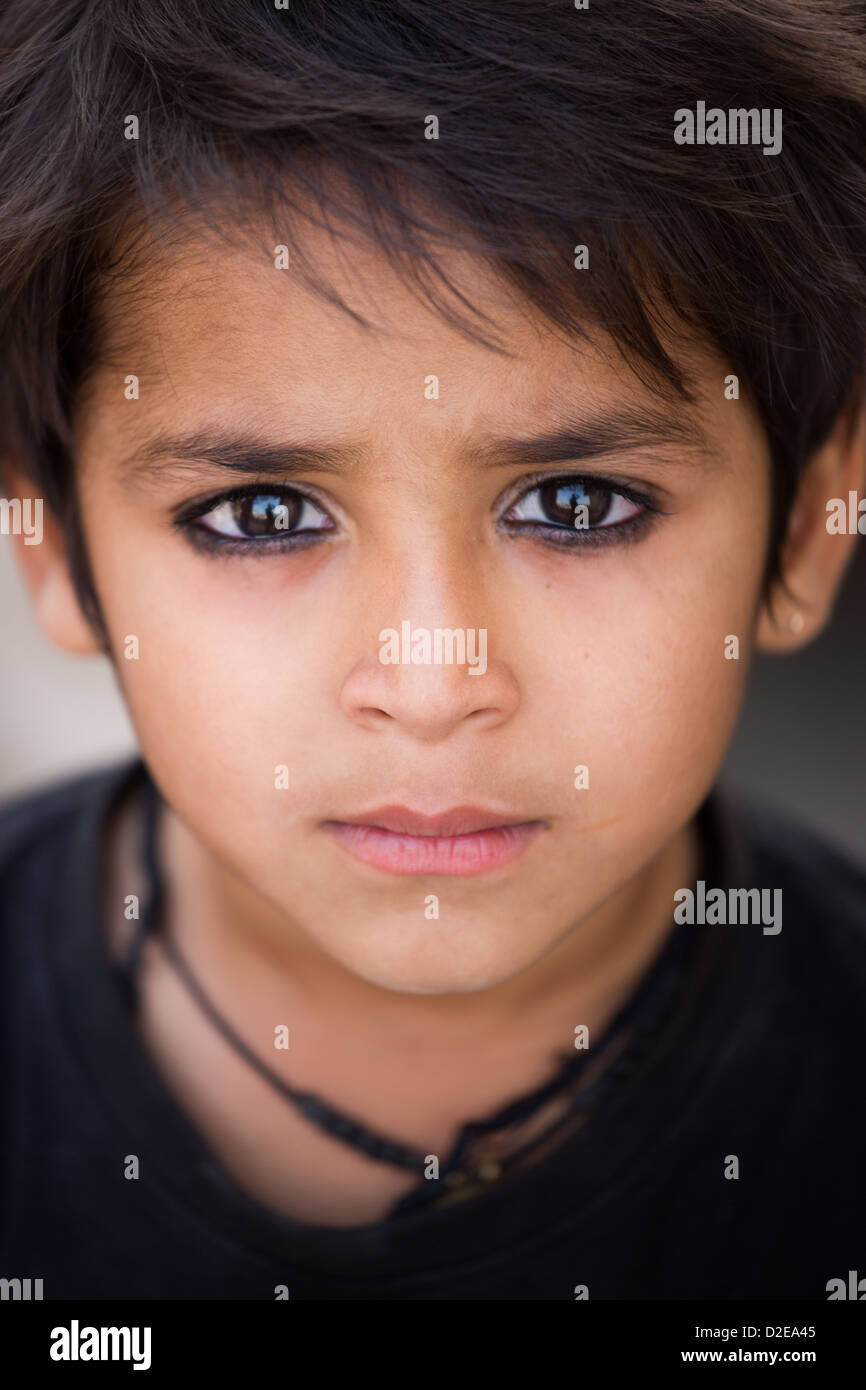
[{"x": 762, "y": 1059}]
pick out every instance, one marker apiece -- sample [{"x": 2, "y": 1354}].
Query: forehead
[{"x": 226, "y": 330}]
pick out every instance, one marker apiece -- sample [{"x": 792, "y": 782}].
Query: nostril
[{"x": 376, "y": 715}]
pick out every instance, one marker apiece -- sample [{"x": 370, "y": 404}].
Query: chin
[
  {"x": 450, "y": 975},
  {"x": 446, "y": 983}
]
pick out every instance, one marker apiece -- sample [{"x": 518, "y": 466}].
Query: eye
[
  {"x": 577, "y": 503},
  {"x": 262, "y": 516}
]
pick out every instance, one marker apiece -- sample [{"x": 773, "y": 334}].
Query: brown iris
[
  {"x": 264, "y": 514},
  {"x": 560, "y": 498}
]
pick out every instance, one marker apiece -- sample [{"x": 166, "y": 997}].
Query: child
[{"x": 434, "y": 411}]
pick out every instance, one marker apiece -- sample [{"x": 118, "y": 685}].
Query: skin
[{"x": 610, "y": 656}]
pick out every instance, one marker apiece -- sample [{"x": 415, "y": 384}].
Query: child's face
[{"x": 609, "y": 656}]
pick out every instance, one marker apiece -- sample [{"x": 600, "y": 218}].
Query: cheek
[
  {"x": 640, "y": 672},
  {"x": 228, "y": 659},
  {"x": 674, "y": 713}
]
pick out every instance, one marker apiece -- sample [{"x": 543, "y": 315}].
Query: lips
[
  {"x": 460, "y": 820},
  {"x": 461, "y": 841}
]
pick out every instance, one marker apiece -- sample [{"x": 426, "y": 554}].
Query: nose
[
  {"x": 426, "y": 700},
  {"x": 429, "y": 678}
]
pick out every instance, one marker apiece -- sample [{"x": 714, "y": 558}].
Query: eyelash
[
  {"x": 618, "y": 533},
  {"x": 550, "y": 533},
  {"x": 212, "y": 541}
]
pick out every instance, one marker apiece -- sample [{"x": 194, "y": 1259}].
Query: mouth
[{"x": 459, "y": 842}]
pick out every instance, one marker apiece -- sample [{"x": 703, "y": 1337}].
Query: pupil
[
  {"x": 560, "y": 499},
  {"x": 266, "y": 515}
]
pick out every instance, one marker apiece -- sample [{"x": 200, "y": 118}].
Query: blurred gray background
[{"x": 801, "y": 743}]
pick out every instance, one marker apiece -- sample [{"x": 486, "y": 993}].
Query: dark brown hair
[{"x": 556, "y": 128}]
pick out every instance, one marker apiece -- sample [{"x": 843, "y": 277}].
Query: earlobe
[
  {"x": 44, "y": 566},
  {"x": 817, "y": 549},
  {"x": 785, "y": 625},
  {"x": 59, "y": 613}
]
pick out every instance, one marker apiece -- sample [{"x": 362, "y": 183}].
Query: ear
[
  {"x": 43, "y": 562},
  {"x": 826, "y": 519}
]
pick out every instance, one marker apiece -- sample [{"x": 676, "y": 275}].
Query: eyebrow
[
  {"x": 629, "y": 429},
  {"x": 625, "y": 430},
  {"x": 237, "y": 454}
]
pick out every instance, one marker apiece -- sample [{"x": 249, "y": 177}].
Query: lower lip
[{"x": 457, "y": 855}]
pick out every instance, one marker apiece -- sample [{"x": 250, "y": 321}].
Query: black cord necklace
[{"x": 637, "y": 1020}]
